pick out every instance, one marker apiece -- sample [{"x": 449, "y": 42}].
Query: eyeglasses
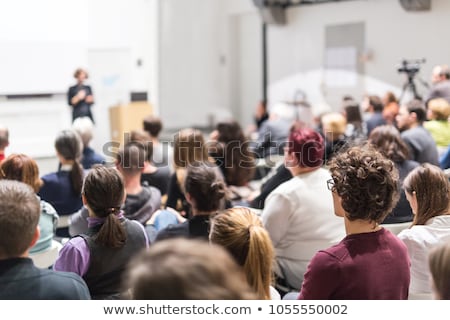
[{"x": 330, "y": 185}]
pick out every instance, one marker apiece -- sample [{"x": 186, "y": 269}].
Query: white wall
[{"x": 296, "y": 50}]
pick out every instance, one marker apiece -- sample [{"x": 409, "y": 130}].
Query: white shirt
[
  {"x": 419, "y": 240},
  {"x": 300, "y": 219}
]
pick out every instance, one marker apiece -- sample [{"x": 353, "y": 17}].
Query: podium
[{"x": 128, "y": 117}]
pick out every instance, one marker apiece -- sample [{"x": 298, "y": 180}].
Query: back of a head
[
  {"x": 308, "y": 147},
  {"x": 152, "y": 125},
  {"x": 388, "y": 141},
  {"x": 364, "y": 178},
  {"x": 104, "y": 192},
  {"x": 334, "y": 124},
  {"x": 241, "y": 232},
  {"x": 131, "y": 159},
  {"x": 4, "y": 137},
  {"x": 189, "y": 147},
  {"x": 19, "y": 217},
  {"x": 432, "y": 189},
  {"x": 416, "y": 106},
  {"x": 142, "y": 138},
  {"x": 181, "y": 269},
  {"x": 204, "y": 186},
  {"x": 440, "y": 109},
  {"x": 85, "y": 128},
  {"x": 439, "y": 263},
  {"x": 352, "y": 112},
  {"x": 376, "y": 103},
  {"x": 69, "y": 145},
  {"x": 21, "y": 168}
]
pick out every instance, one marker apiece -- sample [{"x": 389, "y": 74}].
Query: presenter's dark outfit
[{"x": 82, "y": 108}]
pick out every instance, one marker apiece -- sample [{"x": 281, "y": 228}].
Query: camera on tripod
[{"x": 410, "y": 67}]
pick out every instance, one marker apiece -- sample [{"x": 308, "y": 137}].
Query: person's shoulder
[
  {"x": 174, "y": 230},
  {"x": 67, "y": 283}
]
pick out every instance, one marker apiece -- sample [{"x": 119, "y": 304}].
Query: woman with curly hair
[
  {"x": 370, "y": 263},
  {"x": 428, "y": 192}
]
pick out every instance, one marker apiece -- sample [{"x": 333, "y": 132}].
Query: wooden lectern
[{"x": 124, "y": 118}]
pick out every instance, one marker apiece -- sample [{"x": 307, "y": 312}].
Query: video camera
[{"x": 410, "y": 67}]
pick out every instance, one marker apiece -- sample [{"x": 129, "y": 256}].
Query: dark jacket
[{"x": 21, "y": 280}]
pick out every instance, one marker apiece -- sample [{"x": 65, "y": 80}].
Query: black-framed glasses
[{"x": 330, "y": 185}]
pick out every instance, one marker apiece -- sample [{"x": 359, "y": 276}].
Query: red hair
[{"x": 307, "y": 146}]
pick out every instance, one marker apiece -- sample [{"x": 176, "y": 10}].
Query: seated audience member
[
  {"x": 428, "y": 192},
  {"x": 19, "y": 231},
  {"x": 22, "y": 168},
  {"x": 100, "y": 256},
  {"x": 438, "y": 124},
  {"x": 422, "y": 147},
  {"x": 141, "y": 200},
  {"x": 370, "y": 263},
  {"x": 241, "y": 232},
  {"x": 334, "y": 126},
  {"x": 233, "y": 156},
  {"x": 440, "y": 78},
  {"x": 4, "y": 141},
  {"x": 439, "y": 263},
  {"x": 204, "y": 192},
  {"x": 298, "y": 214},
  {"x": 157, "y": 177},
  {"x": 62, "y": 189},
  {"x": 85, "y": 128},
  {"x": 390, "y": 107},
  {"x": 181, "y": 269},
  {"x": 162, "y": 151},
  {"x": 273, "y": 133},
  {"x": 356, "y": 130},
  {"x": 189, "y": 147},
  {"x": 388, "y": 141},
  {"x": 375, "y": 111}
]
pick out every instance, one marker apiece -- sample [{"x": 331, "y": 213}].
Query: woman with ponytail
[
  {"x": 101, "y": 255},
  {"x": 62, "y": 189},
  {"x": 242, "y": 234},
  {"x": 204, "y": 191}
]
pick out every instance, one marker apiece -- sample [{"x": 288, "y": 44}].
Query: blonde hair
[
  {"x": 241, "y": 232},
  {"x": 440, "y": 108},
  {"x": 334, "y": 125}
]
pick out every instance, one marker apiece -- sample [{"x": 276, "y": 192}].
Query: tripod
[{"x": 411, "y": 86}]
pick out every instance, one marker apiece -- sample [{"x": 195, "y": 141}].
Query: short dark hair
[
  {"x": 19, "y": 217},
  {"x": 367, "y": 183},
  {"x": 376, "y": 103},
  {"x": 204, "y": 186},
  {"x": 152, "y": 125},
  {"x": 418, "y": 108},
  {"x": 131, "y": 158},
  {"x": 181, "y": 269}
]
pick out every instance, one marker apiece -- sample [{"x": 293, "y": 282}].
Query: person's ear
[
  {"x": 36, "y": 236},
  {"x": 83, "y": 198}
]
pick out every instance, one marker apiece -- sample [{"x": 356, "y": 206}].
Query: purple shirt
[
  {"x": 368, "y": 266},
  {"x": 75, "y": 255}
]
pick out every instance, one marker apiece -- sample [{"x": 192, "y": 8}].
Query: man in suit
[{"x": 20, "y": 279}]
